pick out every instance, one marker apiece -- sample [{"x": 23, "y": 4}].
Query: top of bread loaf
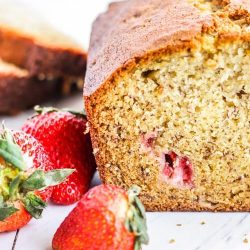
[{"x": 135, "y": 29}]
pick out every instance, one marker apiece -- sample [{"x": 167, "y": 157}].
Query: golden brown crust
[{"x": 132, "y": 29}]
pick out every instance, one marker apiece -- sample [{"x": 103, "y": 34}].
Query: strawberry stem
[
  {"x": 10, "y": 151},
  {"x": 136, "y": 218},
  {"x": 34, "y": 205},
  {"x": 40, "y": 179},
  {"x": 43, "y": 110},
  {"x": 6, "y": 211},
  {"x": 15, "y": 185},
  {"x": 18, "y": 187}
]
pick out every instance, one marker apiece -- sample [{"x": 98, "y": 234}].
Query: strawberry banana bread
[{"x": 168, "y": 99}]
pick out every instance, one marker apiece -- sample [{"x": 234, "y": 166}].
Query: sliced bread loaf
[
  {"x": 29, "y": 42},
  {"x": 167, "y": 93}
]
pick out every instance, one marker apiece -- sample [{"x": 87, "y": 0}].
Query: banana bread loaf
[{"x": 167, "y": 93}]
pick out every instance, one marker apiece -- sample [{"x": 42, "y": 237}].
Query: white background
[{"x": 221, "y": 231}]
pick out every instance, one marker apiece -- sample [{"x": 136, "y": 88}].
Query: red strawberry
[
  {"x": 106, "y": 218},
  {"x": 25, "y": 179},
  {"x": 62, "y": 135}
]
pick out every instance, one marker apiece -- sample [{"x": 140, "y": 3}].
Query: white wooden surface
[{"x": 221, "y": 231}]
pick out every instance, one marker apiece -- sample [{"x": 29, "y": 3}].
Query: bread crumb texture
[{"x": 178, "y": 124}]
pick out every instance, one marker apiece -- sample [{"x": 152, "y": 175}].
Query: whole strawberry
[
  {"x": 62, "y": 135},
  {"x": 106, "y": 218},
  {"x": 25, "y": 179}
]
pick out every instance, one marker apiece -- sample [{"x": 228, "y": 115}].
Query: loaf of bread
[
  {"x": 167, "y": 93},
  {"x": 29, "y": 42},
  {"x": 44, "y": 62}
]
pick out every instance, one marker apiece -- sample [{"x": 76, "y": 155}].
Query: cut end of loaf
[{"x": 178, "y": 127}]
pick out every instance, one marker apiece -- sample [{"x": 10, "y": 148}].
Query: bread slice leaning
[
  {"x": 29, "y": 42},
  {"x": 19, "y": 90},
  {"x": 167, "y": 93}
]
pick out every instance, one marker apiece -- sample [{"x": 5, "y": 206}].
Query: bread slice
[
  {"x": 19, "y": 90},
  {"x": 167, "y": 93},
  {"x": 29, "y": 42}
]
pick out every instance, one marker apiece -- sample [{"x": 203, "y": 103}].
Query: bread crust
[
  {"x": 138, "y": 31},
  {"x": 133, "y": 32}
]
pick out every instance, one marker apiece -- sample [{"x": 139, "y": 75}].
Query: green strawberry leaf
[
  {"x": 1, "y": 200},
  {"x": 35, "y": 181},
  {"x": 14, "y": 186},
  {"x": 6, "y": 211},
  {"x": 77, "y": 113},
  {"x": 40, "y": 179},
  {"x": 34, "y": 205},
  {"x": 44, "y": 110},
  {"x": 57, "y": 176},
  {"x": 136, "y": 218},
  {"x": 10, "y": 151}
]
